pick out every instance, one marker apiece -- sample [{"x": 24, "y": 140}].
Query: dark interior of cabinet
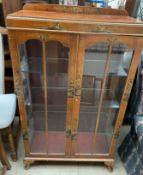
[{"x": 2, "y": 22}]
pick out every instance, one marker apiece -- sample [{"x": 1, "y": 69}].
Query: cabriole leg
[
  {"x": 109, "y": 166},
  {"x": 27, "y": 164},
  {"x": 12, "y": 145},
  {"x": 3, "y": 157}
]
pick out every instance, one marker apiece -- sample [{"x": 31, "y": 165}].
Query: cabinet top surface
[
  {"x": 74, "y": 14},
  {"x": 74, "y": 19}
]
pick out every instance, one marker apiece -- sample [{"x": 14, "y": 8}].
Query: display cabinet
[{"x": 73, "y": 71}]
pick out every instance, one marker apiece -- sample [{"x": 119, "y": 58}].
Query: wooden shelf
[
  {"x": 85, "y": 144},
  {"x": 54, "y": 143},
  {"x": 8, "y": 78},
  {"x": 48, "y": 143}
]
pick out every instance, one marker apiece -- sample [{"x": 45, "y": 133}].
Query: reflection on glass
[
  {"x": 32, "y": 74},
  {"x": 95, "y": 137}
]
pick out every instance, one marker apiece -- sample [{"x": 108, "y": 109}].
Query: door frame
[
  {"x": 17, "y": 37},
  {"x": 85, "y": 41}
]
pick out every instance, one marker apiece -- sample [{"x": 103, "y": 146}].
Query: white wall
[
  {"x": 116, "y": 3},
  {"x": 140, "y": 11}
]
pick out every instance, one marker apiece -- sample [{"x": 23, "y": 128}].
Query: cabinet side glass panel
[
  {"x": 57, "y": 58},
  {"x": 101, "y": 96},
  {"x": 32, "y": 75}
]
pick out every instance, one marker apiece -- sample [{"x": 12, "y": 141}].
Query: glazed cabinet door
[
  {"x": 47, "y": 72},
  {"x": 102, "y": 74}
]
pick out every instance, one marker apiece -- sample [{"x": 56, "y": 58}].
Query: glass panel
[
  {"x": 32, "y": 74},
  {"x": 57, "y": 85},
  {"x": 94, "y": 137},
  {"x": 121, "y": 58},
  {"x": 46, "y": 128},
  {"x": 94, "y": 65}
]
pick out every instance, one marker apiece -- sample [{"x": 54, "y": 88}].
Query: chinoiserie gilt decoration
[
  {"x": 100, "y": 28},
  {"x": 44, "y": 38},
  {"x": 127, "y": 92},
  {"x": 73, "y": 71},
  {"x": 18, "y": 87}
]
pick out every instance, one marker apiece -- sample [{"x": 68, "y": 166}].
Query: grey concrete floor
[{"x": 67, "y": 169}]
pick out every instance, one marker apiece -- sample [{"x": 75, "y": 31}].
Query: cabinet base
[{"x": 107, "y": 162}]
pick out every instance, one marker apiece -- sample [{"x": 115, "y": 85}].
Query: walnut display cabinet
[{"x": 73, "y": 68}]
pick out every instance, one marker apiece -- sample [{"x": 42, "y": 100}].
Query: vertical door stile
[
  {"x": 78, "y": 78},
  {"x": 69, "y": 105},
  {"x": 74, "y": 121},
  {"x": 18, "y": 86},
  {"x": 45, "y": 91},
  {"x": 106, "y": 70},
  {"x": 70, "y": 112}
]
